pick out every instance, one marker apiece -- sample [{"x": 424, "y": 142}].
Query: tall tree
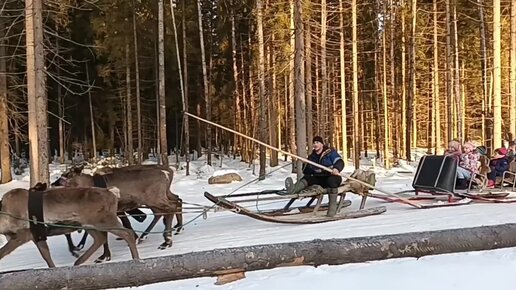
[
  {"x": 299, "y": 83},
  {"x": 497, "y": 76},
  {"x": 412, "y": 79},
  {"x": 261, "y": 87},
  {"x": 436, "y": 113},
  {"x": 137, "y": 81},
  {"x": 356, "y": 127},
  {"x": 36, "y": 93},
  {"x": 5, "y": 154},
  {"x": 185, "y": 89},
  {"x": 129, "y": 105},
  {"x": 342, "y": 62},
  {"x": 161, "y": 84},
  {"x": 207, "y": 97},
  {"x": 512, "y": 108}
]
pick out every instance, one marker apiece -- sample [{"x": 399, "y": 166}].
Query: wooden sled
[{"x": 306, "y": 214}]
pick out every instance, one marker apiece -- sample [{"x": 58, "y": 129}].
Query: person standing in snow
[{"x": 327, "y": 157}]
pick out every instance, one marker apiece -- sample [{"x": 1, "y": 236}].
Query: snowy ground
[{"x": 225, "y": 229}]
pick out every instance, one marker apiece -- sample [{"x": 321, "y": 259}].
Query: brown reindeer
[
  {"x": 144, "y": 185},
  {"x": 63, "y": 210}
]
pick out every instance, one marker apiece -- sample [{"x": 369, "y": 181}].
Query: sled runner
[{"x": 305, "y": 214}]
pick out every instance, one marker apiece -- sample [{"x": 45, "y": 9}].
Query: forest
[{"x": 383, "y": 76}]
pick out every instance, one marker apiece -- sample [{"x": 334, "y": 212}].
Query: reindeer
[
  {"x": 63, "y": 209},
  {"x": 145, "y": 185}
]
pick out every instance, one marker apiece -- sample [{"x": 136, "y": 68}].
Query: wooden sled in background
[
  {"x": 289, "y": 214},
  {"x": 434, "y": 186}
]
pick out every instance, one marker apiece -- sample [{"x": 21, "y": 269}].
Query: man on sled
[{"x": 328, "y": 157}]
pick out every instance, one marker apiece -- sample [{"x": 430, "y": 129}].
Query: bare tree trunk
[
  {"x": 261, "y": 87},
  {"x": 181, "y": 85},
  {"x": 236, "y": 95},
  {"x": 5, "y": 154},
  {"x": 386, "y": 125},
  {"x": 356, "y": 115},
  {"x": 129, "y": 111},
  {"x": 36, "y": 92},
  {"x": 512, "y": 110},
  {"x": 308, "y": 84},
  {"x": 137, "y": 80},
  {"x": 393, "y": 87},
  {"x": 161, "y": 73},
  {"x": 274, "y": 116},
  {"x": 436, "y": 115},
  {"x": 456, "y": 83},
  {"x": 449, "y": 65},
  {"x": 404, "y": 138},
  {"x": 92, "y": 119},
  {"x": 205, "y": 82},
  {"x": 343, "y": 121},
  {"x": 324, "y": 72},
  {"x": 185, "y": 90},
  {"x": 299, "y": 80},
  {"x": 60, "y": 104},
  {"x": 412, "y": 80},
  {"x": 483, "y": 51},
  {"x": 291, "y": 94},
  {"x": 497, "y": 76}
]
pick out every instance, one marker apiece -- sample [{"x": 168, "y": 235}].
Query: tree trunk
[
  {"x": 92, "y": 119},
  {"x": 251, "y": 258},
  {"x": 291, "y": 94},
  {"x": 261, "y": 87},
  {"x": 60, "y": 104},
  {"x": 386, "y": 125},
  {"x": 394, "y": 86},
  {"x": 436, "y": 112},
  {"x": 324, "y": 73},
  {"x": 356, "y": 116},
  {"x": 456, "y": 82},
  {"x": 161, "y": 86},
  {"x": 5, "y": 153},
  {"x": 137, "y": 81},
  {"x": 308, "y": 84},
  {"x": 36, "y": 93},
  {"x": 274, "y": 116},
  {"x": 342, "y": 62},
  {"x": 181, "y": 87},
  {"x": 236, "y": 95},
  {"x": 412, "y": 81},
  {"x": 449, "y": 80},
  {"x": 299, "y": 83},
  {"x": 129, "y": 108},
  {"x": 404, "y": 138},
  {"x": 185, "y": 90},
  {"x": 497, "y": 76},
  {"x": 512, "y": 109},
  {"x": 205, "y": 83},
  {"x": 483, "y": 63}
]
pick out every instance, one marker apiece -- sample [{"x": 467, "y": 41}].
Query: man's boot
[
  {"x": 332, "y": 204},
  {"x": 293, "y": 188}
]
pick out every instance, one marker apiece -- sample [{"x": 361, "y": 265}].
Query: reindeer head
[{"x": 72, "y": 172}]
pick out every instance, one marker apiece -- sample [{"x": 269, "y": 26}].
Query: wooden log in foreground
[{"x": 249, "y": 258}]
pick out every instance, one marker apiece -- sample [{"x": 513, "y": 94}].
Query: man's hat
[{"x": 318, "y": 139}]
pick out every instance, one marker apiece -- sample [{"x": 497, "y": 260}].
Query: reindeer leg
[
  {"x": 71, "y": 247},
  {"x": 45, "y": 252},
  {"x": 99, "y": 238},
  {"x": 128, "y": 236},
  {"x": 167, "y": 234},
  {"x": 151, "y": 225},
  {"x": 16, "y": 240},
  {"x": 179, "y": 215},
  {"x": 126, "y": 223},
  {"x": 83, "y": 241},
  {"x": 106, "y": 255}
]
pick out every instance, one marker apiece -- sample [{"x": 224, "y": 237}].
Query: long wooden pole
[{"x": 305, "y": 160}]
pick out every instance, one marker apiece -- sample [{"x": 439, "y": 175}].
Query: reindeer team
[{"x": 95, "y": 203}]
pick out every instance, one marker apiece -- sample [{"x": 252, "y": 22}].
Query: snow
[{"x": 224, "y": 229}]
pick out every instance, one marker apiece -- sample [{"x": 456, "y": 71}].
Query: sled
[
  {"x": 305, "y": 214},
  {"x": 434, "y": 186}
]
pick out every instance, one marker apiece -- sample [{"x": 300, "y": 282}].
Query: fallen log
[{"x": 240, "y": 259}]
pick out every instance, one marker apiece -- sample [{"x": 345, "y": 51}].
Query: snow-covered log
[{"x": 222, "y": 261}]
